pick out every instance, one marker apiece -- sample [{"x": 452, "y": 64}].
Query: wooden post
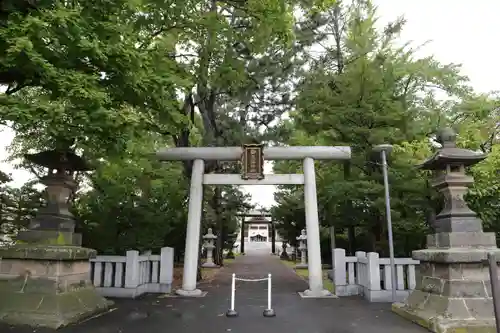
[
  {"x": 273, "y": 238},
  {"x": 242, "y": 240}
]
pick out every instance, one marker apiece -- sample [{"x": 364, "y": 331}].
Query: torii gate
[
  {"x": 252, "y": 214},
  {"x": 252, "y": 154}
]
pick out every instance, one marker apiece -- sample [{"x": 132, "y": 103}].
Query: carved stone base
[
  {"x": 440, "y": 323},
  {"x": 49, "y": 237},
  {"x": 191, "y": 293},
  {"x": 47, "y": 286},
  {"x": 453, "y": 291},
  {"x": 209, "y": 265},
  {"x": 317, "y": 294}
]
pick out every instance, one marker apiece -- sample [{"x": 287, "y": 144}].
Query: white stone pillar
[
  {"x": 312, "y": 226},
  {"x": 193, "y": 231}
]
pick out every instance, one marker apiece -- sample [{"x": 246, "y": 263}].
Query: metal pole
[
  {"x": 495, "y": 287},
  {"x": 389, "y": 223}
]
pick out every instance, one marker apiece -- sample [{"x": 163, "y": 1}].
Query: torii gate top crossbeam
[
  {"x": 270, "y": 153},
  {"x": 254, "y": 213}
]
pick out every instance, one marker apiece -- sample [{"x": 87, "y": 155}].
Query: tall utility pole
[{"x": 384, "y": 150}]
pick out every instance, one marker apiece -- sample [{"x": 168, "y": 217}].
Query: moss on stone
[
  {"x": 446, "y": 326},
  {"x": 46, "y": 252},
  {"x": 51, "y": 310}
]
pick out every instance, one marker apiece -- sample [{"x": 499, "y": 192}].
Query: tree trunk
[
  {"x": 220, "y": 227},
  {"x": 351, "y": 236}
]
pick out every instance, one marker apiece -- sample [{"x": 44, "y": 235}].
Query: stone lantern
[
  {"x": 284, "y": 254},
  {"x": 54, "y": 224},
  {"x": 453, "y": 289},
  {"x": 231, "y": 238},
  {"x": 303, "y": 249},
  {"x": 47, "y": 266},
  {"x": 209, "y": 245}
]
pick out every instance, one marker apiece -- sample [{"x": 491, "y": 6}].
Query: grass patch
[
  {"x": 229, "y": 260},
  {"x": 304, "y": 273},
  {"x": 289, "y": 263},
  {"x": 208, "y": 274},
  {"x": 327, "y": 283}
]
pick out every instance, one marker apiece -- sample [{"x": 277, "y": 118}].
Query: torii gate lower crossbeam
[{"x": 308, "y": 179}]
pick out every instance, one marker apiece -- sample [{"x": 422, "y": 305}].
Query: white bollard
[
  {"x": 231, "y": 312},
  {"x": 269, "y": 312},
  {"x": 269, "y": 292}
]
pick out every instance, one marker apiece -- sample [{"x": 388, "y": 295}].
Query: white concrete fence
[
  {"x": 370, "y": 276},
  {"x": 132, "y": 275}
]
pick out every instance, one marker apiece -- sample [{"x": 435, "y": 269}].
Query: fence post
[
  {"x": 132, "y": 269},
  {"x": 493, "y": 269},
  {"x": 373, "y": 271},
  {"x": 360, "y": 278},
  {"x": 339, "y": 270},
  {"x": 166, "y": 265}
]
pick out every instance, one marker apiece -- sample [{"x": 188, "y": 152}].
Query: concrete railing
[
  {"x": 370, "y": 276},
  {"x": 132, "y": 275}
]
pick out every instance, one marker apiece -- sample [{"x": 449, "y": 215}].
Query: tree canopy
[{"x": 366, "y": 89}]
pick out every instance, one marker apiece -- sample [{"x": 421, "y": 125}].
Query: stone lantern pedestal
[
  {"x": 284, "y": 254},
  {"x": 453, "y": 291},
  {"x": 209, "y": 246},
  {"x": 231, "y": 238},
  {"x": 303, "y": 249},
  {"x": 45, "y": 276}
]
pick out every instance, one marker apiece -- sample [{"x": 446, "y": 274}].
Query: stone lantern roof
[
  {"x": 303, "y": 235},
  {"x": 209, "y": 235},
  {"x": 59, "y": 160},
  {"x": 450, "y": 154}
]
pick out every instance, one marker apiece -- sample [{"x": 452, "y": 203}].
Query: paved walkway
[{"x": 207, "y": 315}]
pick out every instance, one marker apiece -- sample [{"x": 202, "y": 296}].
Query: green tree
[
  {"x": 17, "y": 207},
  {"x": 477, "y": 120},
  {"x": 134, "y": 202},
  {"x": 76, "y": 73},
  {"x": 363, "y": 91}
]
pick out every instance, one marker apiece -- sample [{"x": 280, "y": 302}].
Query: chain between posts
[
  {"x": 269, "y": 312},
  {"x": 251, "y": 280}
]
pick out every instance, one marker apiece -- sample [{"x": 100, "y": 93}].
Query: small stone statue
[
  {"x": 209, "y": 245},
  {"x": 284, "y": 254},
  {"x": 231, "y": 239},
  {"x": 303, "y": 249}
]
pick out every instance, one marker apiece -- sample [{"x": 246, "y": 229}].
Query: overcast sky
[{"x": 459, "y": 31}]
